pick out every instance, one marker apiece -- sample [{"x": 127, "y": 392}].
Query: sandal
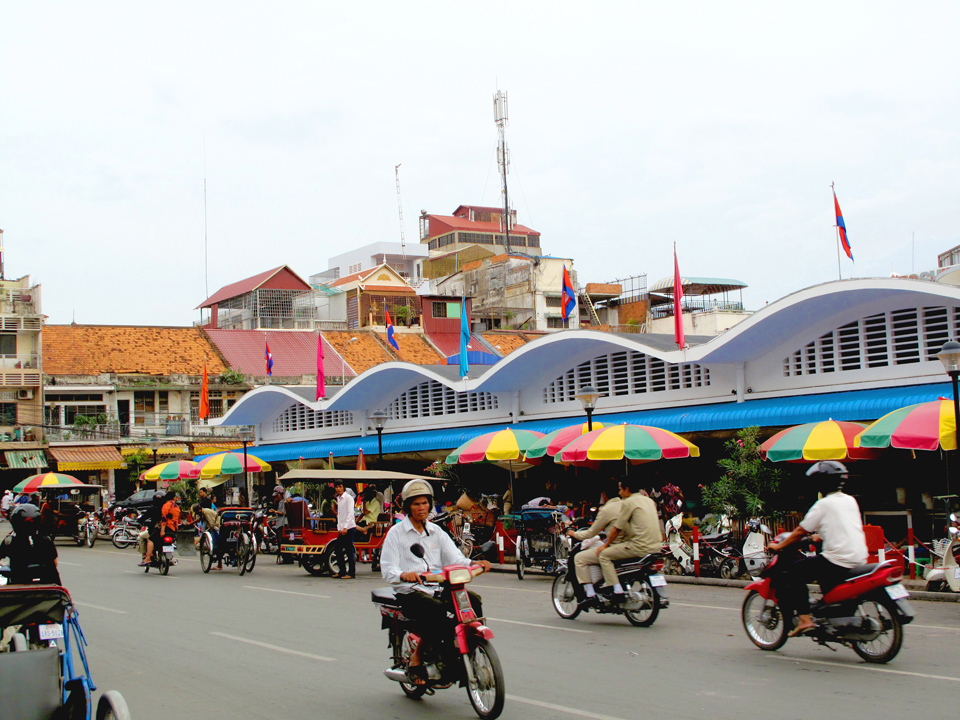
[
  {"x": 417, "y": 674},
  {"x": 798, "y": 631}
]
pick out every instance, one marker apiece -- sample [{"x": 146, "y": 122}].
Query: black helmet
[
  {"x": 829, "y": 474},
  {"x": 25, "y": 519}
]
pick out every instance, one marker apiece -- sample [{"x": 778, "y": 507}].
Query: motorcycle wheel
[
  {"x": 206, "y": 554},
  {"x": 91, "y": 535},
  {"x": 564, "y": 598},
  {"x": 763, "y": 622},
  {"x": 466, "y": 547},
  {"x": 81, "y": 538},
  {"x": 164, "y": 564},
  {"x": 401, "y": 660},
  {"x": 729, "y": 569},
  {"x": 487, "y": 691},
  {"x": 885, "y": 647},
  {"x": 243, "y": 553},
  {"x": 645, "y": 616},
  {"x": 121, "y": 540}
]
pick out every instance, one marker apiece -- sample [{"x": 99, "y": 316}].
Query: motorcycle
[
  {"x": 643, "y": 584},
  {"x": 162, "y": 557},
  {"x": 867, "y": 611},
  {"x": 127, "y": 532},
  {"x": 718, "y": 557},
  {"x": 475, "y": 664},
  {"x": 755, "y": 547},
  {"x": 265, "y": 534}
]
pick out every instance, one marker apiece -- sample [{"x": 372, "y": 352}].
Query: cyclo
[
  {"x": 233, "y": 543},
  {"x": 310, "y": 539},
  {"x": 540, "y": 541}
]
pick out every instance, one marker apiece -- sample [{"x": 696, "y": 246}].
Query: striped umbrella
[
  {"x": 553, "y": 442},
  {"x": 230, "y": 463},
  {"x": 50, "y": 481},
  {"x": 174, "y": 470},
  {"x": 637, "y": 443},
  {"x": 827, "y": 440},
  {"x": 507, "y": 444},
  {"x": 925, "y": 426}
]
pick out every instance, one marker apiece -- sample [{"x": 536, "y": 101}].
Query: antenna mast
[
  {"x": 503, "y": 160},
  {"x": 403, "y": 242}
]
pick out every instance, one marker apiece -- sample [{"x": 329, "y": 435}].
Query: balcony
[
  {"x": 140, "y": 427},
  {"x": 23, "y": 304}
]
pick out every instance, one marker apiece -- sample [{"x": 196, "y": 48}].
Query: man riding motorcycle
[
  {"x": 157, "y": 518},
  {"x": 836, "y": 519},
  {"x": 33, "y": 556},
  {"x": 606, "y": 518},
  {"x": 399, "y": 565}
]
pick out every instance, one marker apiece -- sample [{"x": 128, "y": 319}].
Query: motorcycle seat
[
  {"x": 860, "y": 570},
  {"x": 642, "y": 560},
  {"x": 385, "y": 596},
  {"x": 718, "y": 537}
]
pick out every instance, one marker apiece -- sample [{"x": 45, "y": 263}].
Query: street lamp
[
  {"x": 950, "y": 357},
  {"x": 343, "y": 369},
  {"x": 588, "y": 397},
  {"x": 379, "y": 420},
  {"x": 246, "y": 436},
  {"x": 154, "y": 443}
]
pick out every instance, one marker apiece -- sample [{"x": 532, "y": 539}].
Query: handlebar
[{"x": 438, "y": 578}]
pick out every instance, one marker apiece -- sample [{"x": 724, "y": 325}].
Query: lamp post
[
  {"x": 950, "y": 357},
  {"x": 379, "y": 420},
  {"x": 588, "y": 397},
  {"x": 343, "y": 369},
  {"x": 154, "y": 443},
  {"x": 246, "y": 436}
]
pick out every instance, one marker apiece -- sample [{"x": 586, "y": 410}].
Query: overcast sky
[{"x": 718, "y": 126}]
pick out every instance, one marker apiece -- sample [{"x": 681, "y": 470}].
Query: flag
[
  {"x": 842, "y": 228},
  {"x": 361, "y": 464},
  {"x": 464, "y": 337},
  {"x": 321, "y": 380},
  {"x": 677, "y": 297},
  {"x": 269, "y": 357},
  {"x": 390, "y": 338},
  {"x": 569, "y": 298},
  {"x": 204, "y": 394},
  {"x": 330, "y": 462}
]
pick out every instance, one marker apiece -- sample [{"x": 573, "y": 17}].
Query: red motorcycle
[
  {"x": 867, "y": 611},
  {"x": 476, "y": 667}
]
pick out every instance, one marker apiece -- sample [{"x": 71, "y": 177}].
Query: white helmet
[{"x": 415, "y": 488}]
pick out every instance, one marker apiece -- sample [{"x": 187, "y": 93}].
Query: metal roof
[{"x": 698, "y": 285}]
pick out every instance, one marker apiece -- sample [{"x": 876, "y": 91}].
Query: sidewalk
[{"x": 916, "y": 587}]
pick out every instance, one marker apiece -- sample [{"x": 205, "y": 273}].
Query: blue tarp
[{"x": 863, "y": 405}]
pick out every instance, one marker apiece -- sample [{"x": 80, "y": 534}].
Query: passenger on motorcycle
[
  {"x": 399, "y": 565},
  {"x": 636, "y": 533},
  {"x": 835, "y": 518},
  {"x": 606, "y": 517},
  {"x": 33, "y": 557}
]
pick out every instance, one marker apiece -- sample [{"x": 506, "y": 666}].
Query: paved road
[{"x": 280, "y": 643}]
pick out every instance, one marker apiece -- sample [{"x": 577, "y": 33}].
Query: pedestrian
[
  {"x": 345, "y": 552},
  {"x": 5, "y": 503}
]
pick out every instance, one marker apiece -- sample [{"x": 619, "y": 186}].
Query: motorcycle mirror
[{"x": 417, "y": 549}]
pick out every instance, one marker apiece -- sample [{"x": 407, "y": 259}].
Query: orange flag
[
  {"x": 361, "y": 465},
  {"x": 204, "y": 394}
]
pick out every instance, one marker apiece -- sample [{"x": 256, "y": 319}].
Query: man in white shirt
[
  {"x": 399, "y": 565},
  {"x": 345, "y": 552},
  {"x": 836, "y": 519}
]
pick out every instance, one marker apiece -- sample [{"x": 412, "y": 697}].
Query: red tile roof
[
  {"x": 294, "y": 352},
  {"x": 449, "y": 343},
  {"x": 445, "y": 224},
  {"x": 96, "y": 349},
  {"x": 252, "y": 283}
]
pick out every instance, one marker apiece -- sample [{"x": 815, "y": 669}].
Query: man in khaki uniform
[
  {"x": 635, "y": 534},
  {"x": 606, "y": 517}
]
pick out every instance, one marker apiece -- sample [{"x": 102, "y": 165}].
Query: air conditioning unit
[{"x": 24, "y": 394}]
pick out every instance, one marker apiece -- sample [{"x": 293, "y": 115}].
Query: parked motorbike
[
  {"x": 162, "y": 557},
  {"x": 755, "y": 556},
  {"x": 127, "y": 532},
  {"x": 468, "y": 660},
  {"x": 718, "y": 557},
  {"x": 643, "y": 584},
  {"x": 866, "y": 612},
  {"x": 265, "y": 533}
]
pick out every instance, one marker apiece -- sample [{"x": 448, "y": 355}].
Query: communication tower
[{"x": 503, "y": 160}]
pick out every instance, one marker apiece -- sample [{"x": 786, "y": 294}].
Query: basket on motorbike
[{"x": 540, "y": 540}]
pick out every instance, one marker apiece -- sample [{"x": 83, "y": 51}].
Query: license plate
[
  {"x": 466, "y": 527},
  {"x": 51, "y": 632},
  {"x": 658, "y": 581},
  {"x": 168, "y": 549},
  {"x": 897, "y": 591}
]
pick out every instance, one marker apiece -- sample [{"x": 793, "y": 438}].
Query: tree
[{"x": 749, "y": 486}]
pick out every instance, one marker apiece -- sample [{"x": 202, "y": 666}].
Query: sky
[{"x": 153, "y": 153}]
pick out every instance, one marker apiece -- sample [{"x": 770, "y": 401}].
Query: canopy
[
  {"x": 52, "y": 481},
  {"x": 231, "y": 463},
  {"x": 507, "y": 444},
  {"x": 174, "y": 470},
  {"x": 637, "y": 443},
  {"x": 925, "y": 426},
  {"x": 553, "y": 442},
  {"x": 827, "y": 440}
]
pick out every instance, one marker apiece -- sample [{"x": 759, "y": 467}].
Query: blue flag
[
  {"x": 464, "y": 337},
  {"x": 390, "y": 338}
]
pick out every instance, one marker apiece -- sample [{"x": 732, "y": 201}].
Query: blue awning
[{"x": 863, "y": 405}]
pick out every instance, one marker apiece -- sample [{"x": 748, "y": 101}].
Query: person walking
[{"x": 345, "y": 552}]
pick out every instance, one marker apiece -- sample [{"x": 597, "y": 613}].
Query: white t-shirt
[{"x": 836, "y": 519}]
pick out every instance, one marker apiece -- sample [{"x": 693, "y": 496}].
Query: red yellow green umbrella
[
  {"x": 231, "y": 463},
  {"x": 553, "y": 442},
  {"x": 637, "y": 443},
  {"x": 174, "y": 470},
  {"x": 507, "y": 444},
  {"x": 925, "y": 426},
  {"x": 50, "y": 481},
  {"x": 827, "y": 440}
]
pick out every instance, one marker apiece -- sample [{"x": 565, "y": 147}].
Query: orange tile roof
[
  {"x": 413, "y": 348},
  {"x": 505, "y": 343},
  {"x": 96, "y": 349}
]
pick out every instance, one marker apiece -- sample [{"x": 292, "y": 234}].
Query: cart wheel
[
  {"x": 520, "y": 568},
  {"x": 243, "y": 553},
  {"x": 112, "y": 706},
  {"x": 318, "y": 565},
  {"x": 252, "y": 556},
  {"x": 206, "y": 553}
]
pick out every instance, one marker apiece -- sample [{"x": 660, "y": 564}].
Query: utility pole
[
  {"x": 503, "y": 160},
  {"x": 403, "y": 243}
]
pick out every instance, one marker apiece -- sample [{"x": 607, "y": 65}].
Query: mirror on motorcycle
[{"x": 417, "y": 549}]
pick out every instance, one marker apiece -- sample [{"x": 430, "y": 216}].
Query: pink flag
[
  {"x": 677, "y": 297},
  {"x": 321, "y": 381}
]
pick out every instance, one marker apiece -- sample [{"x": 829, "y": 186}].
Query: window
[
  {"x": 553, "y": 301},
  {"x": 143, "y": 406},
  {"x": 8, "y": 343},
  {"x": 8, "y": 414},
  {"x": 439, "y": 309}
]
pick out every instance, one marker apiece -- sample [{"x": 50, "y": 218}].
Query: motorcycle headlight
[{"x": 460, "y": 575}]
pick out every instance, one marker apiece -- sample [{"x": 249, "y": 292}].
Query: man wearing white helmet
[{"x": 399, "y": 565}]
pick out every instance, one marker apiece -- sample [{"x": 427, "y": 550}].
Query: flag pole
[{"x": 837, "y": 227}]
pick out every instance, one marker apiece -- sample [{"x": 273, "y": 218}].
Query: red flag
[
  {"x": 361, "y": 465},
  {"x": 204, "y": 394},
  {"x": 677, "y": 297},
  {"x": 321, "y": 380}
]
